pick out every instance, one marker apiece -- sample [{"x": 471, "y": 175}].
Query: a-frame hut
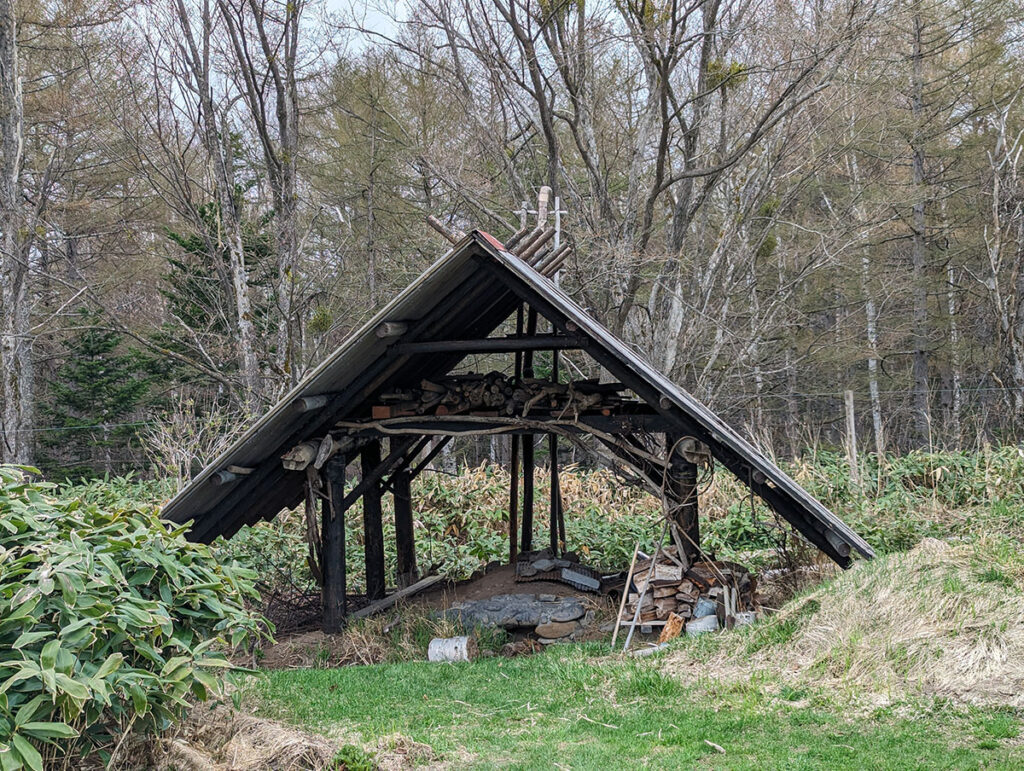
[{"x": 386, "y": 399}]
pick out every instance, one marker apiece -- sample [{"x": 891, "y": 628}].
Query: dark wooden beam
[
  {"x": 517, "y": 443},
  {"x": 405, "y": 449},
  {"x": 493, "y": 345},
  {"x": 373, "y": 526},
  {"x": 556, "y": 497},
  {"x": 333, "y": 548},
  {"x": 405, "y": 539},
  {"x": 526, "y": 542}
]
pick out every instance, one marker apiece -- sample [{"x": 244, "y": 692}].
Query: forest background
[{"x": 775, "y": 201}]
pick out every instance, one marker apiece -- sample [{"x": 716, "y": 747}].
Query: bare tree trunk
[
  {"x": 211, "y": 130},
  {"x": 15, "y": 330},
  {"x": 272, "y": 81},
  {"x": 871, "y": 321},
  {"x": 919, "y": 247}
]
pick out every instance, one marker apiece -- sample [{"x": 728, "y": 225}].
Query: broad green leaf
[
  {"x": 10, "y": 759},
  {"x": 49, "y": 730},
  {"x": 48, "y": 657},
  {"x": 27, "y": 638},
  {"x": 28, "y": 710},
  {"x": 111, "y": 665},
  {"x": 29, "y": 754},
  {"x": 72, "y": 688}
]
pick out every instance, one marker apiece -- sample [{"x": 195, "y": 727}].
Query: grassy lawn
[{"x": 574, "y": 707}]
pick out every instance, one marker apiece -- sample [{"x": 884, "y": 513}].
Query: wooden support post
[
  {"x": 373, "y": 526},
  {"x": 516, "y": 442},
  {"x": 333, "y": 548},
  {"x": 556, "y": 498},
  {"x": 526, "y": 543},
  {"x": 681, "y": 491},
  {"x": 513, "y": 500},
  {"x": 557, "y": 524},
  {"x": 405, "y": 539},
  {"x": 561, "y": 518}
]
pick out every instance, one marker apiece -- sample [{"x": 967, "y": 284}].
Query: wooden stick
[
  {"x": 391, "y": 599},
  {"x": 625, "y": 593},
  {"x": 647, "y": 585}
]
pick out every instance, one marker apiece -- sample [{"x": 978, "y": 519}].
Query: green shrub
[
  {"x": 353, "y": 758},
  {"x": 109, "y": 622}
]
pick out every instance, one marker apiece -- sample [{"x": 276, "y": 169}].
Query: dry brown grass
[
  {"x": 220, "y": 739},
  {"x": 400, "y": 635},
  {"x": 940, "y": 619}
]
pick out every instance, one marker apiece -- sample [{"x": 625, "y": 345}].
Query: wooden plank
[
  {"x": 556, "y": 499},
  {"x": 391, "y": 599},
  {"x": 333, "y": 549},
  {"x": 373, "y": 526},
  {"x": 517, "y": 443},
  {"x": 526, "y": 542}
]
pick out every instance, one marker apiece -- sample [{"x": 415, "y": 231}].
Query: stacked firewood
[
  {"x": 494, "y": 394},
  {"x": 707, "y": 588}
]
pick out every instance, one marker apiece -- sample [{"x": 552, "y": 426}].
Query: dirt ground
[{"x": 377, "y": 639}]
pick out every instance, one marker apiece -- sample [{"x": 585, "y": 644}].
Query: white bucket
[{"x": 451, "y": 649}]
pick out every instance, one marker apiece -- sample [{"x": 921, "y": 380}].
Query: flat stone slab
[{"x": 512, "y": 611}]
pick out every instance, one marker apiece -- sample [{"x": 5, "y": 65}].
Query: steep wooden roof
[{"x": 469, "y": 293}]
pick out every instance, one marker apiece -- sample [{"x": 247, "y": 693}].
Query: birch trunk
[{"x": 15, "y": 331}]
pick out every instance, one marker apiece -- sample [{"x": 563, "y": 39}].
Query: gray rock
[
  {"x": 567, "y": 611},
  {"x": 702, "y": 625},
  {"x": 704, "y": 607},
  {"x": 514, "y": 611},
  {"x": 555, "y": 629},
  {"x": 544, "y": 565},
  {"x": 547, "y": 597}
]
